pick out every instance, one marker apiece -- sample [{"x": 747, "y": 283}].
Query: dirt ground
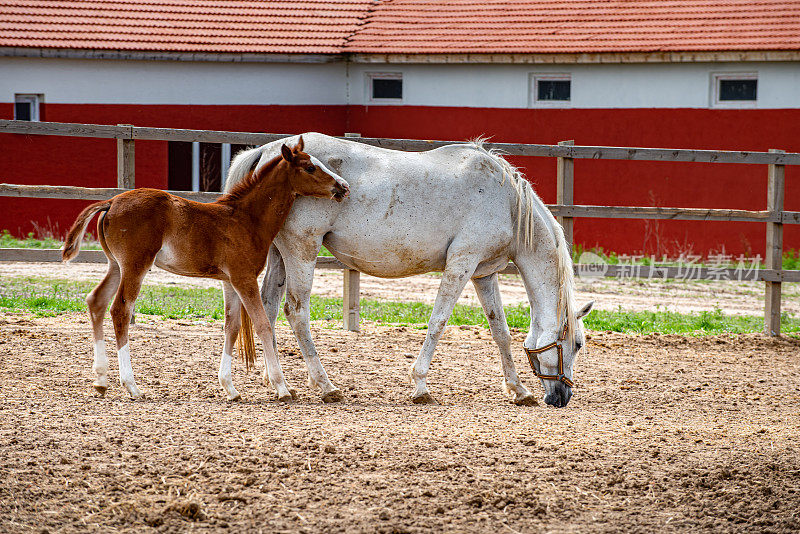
[
  {"x": 740, "y": 298},
  {"x": 664, "y": 434}
]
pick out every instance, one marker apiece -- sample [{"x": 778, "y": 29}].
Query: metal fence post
[
  {"x": 351, "y": 312},
  {"x": 774, "y": 259},
  {"x": 126, "y": 162},
  {"x": 564, "y": 191}
]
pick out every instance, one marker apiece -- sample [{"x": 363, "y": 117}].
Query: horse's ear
[
  {"x": 583, "y": 312},
  {"x": 287, "y": 153},
  {"x": 300, "y": 145}
]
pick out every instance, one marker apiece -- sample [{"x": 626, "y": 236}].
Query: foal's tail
[
  {"x": 72, "y": 245},
  {"x": 245, "y": 342}
]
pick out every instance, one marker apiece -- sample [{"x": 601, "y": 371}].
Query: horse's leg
[
  {"x": 121, "y": 311},
  {"x": 97, "y": 301},
  {"x": 457, "y": 272},
  {"x": 298, "y": 313},
  {"x": 272, "y": 289},
  {"x": 233, "y": 322},
  {"x": 488, "y": 290},
  {"x": 247, "y": 288}
]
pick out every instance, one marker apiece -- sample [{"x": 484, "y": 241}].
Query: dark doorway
[{"x": 180, "y": 166}]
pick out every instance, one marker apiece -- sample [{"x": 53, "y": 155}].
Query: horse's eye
[{"x": 310, "y": 169}]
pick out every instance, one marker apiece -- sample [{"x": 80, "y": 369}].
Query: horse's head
[
  {"x": 554, "y": 360},
  {"x": 308, "y": 176}
]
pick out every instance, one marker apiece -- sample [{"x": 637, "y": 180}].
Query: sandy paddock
[{"x": 665, "y": 433}]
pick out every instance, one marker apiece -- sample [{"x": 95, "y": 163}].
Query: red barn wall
[
  {"x": 630, "y": 183},
  {"x": 92, "y": 162}
]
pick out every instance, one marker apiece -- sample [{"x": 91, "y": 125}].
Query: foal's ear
[
  {"x": 287, "y": 153},
  {"x": 300, "y": 145},
  {"x": 583, "y": 312}
]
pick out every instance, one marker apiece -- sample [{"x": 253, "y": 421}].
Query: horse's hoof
[
  {"x": 101, "y": 390},
  {"x": 527, "y": 400},
  {"x": 235, "y": 398},
  {"x": 425, "y": 398},
  {"x": 139, "y": 397},
  {"x": 333, "y": 396},
  {"x": 288, "y": 398}
]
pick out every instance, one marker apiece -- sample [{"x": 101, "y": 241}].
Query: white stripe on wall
[{"x": 676, "y": 85}]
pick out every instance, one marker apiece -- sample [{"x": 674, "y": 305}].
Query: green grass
[
  {"x": 664, "y": 322},
  {"x": 47, "y": 297},
  {"x": 9, "y": 241},
  {"x": 791, "y": 260}
]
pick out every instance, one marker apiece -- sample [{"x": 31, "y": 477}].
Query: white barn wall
[
  {"x": 90, "y": 81},
  {"x": 595, "y": 86},
  {"x": 603, "y": 86}
]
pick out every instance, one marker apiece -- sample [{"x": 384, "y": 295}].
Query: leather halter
[{"x": 561, "y": 377}]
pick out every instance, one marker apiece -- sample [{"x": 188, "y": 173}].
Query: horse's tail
[
  {"x": 245, "y": 342},
  {"x": 243, "y": 163},
  {"x": 72, "y": 245}
]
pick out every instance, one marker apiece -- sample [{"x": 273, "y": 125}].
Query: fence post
[
  {"x": 774, "y": 259},
  {"x": 352, "y": 285},
  {"x": 126, "y": 173},
  {"x": 351, "y": 312},
  {"x": 126, "y": 162},
  {"x": 564, "y": 191}
]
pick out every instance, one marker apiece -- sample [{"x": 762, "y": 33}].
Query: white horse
[{"x": 460, "y": 209}]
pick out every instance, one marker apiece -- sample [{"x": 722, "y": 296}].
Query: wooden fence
[{"x": 774, "y": 216}]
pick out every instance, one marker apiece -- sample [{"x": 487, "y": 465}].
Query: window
[
  {"x": 553, "y": 90},
  {"x": 738, "y": 89},
  {"x": 385, "y": 86},
  {"x": 734, "y": 90},
  {"x": 26, "y": 107}
]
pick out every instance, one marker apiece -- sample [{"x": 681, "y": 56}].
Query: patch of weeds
[{"x": 30, "y": 241}]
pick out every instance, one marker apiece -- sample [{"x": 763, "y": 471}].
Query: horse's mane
[
  {"x": 528, "y": 206},
  {"x": 245, "y": 184}
]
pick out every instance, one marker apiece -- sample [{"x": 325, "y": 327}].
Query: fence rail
[
  {"x": 566, "y": 152},
  {"x": 688, "y": 271},
  {"x": 124, "y": 131}
]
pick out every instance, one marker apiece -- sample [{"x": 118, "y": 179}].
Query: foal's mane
[{"x": 249, "y": 181}]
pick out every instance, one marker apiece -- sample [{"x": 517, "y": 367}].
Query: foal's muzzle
[{"x": 340, "y": 192}]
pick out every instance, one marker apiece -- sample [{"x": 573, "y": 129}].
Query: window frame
[
  {"x": 30, "y": 98},
  {"x": 536, "y": 77},
  {"x": 370, "y": 76},
  {"x": 718, "y": 77}
]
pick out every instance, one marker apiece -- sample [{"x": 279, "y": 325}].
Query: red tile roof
[
  {"x": 224, "y": 26},
  {"x": 577, "y": 26},
  {"x": 401, "y": 26}
]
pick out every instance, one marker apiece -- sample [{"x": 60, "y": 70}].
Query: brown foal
[{"x": 226, "y": 240}]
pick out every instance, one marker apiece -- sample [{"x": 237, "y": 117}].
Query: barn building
[{"x": 674, "y": 73}]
